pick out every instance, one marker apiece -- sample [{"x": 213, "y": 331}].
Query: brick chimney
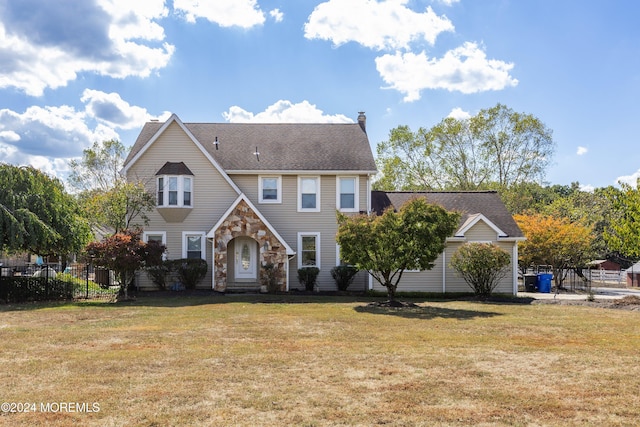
[{"x": 362, "y": 121}]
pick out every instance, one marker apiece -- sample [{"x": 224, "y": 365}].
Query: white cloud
[
  {"x": 465, "y": 69},
  {"x": 582, "y": 150},
  {"x": 226, "y": 13},
  {"x": 284, "y": 112},
  {"x": 51, "y": 131},
  {"x": 111, "y": 110},
  {"x": 376, "y": 25},
  {"x": 459, "y": 114},
  {"x": 119, "y": 38},
  {"x": 277, "y": 15},
  {"x": 48, "y": 137},
  {"x": 9, "y": 136},
  {"x": 588, "y": 188},
  {"x": 448, "y": 2},
  {"x": 629, "y": 179}
]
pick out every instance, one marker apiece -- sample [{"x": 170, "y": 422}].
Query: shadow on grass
[
  {"x": 426, "y": 312},
  {"x": 207, "y": 297}
]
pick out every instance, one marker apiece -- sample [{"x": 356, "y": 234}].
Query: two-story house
[{"x": 243, "y": 195}]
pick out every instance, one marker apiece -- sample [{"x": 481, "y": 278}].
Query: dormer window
[{"x": 174, "y": 185}]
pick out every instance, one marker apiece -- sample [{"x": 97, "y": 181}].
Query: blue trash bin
[{"x": 544, "y": 283}]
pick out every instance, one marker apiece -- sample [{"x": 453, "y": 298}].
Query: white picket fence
[{"x": 607, "y": 276}]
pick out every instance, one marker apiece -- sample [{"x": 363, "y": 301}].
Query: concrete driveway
[{"x": 600, "y": 293}]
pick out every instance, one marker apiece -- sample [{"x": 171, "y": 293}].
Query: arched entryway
[{"x": 244, "y": 242}]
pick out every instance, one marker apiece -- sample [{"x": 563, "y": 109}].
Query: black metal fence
[{"x": 54, "y": 282}]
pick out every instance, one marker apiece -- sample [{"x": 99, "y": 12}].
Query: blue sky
[{"x": 73, "y": 72}]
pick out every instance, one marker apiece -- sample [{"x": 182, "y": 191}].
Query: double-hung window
[
  {"x": 347, "y": 193},
  {"x": 308, "y": 194},
  {"x": 174, "y": 191},
  {"x": 270, "y": 189},
  {"x": 157, "y": 236},
  {"x": 309, "y": 250},
  {"x": 193, "y": 245}
]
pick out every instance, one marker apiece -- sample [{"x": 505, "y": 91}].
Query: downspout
[
  {"x": 370, "y": 279},
  {"x": 368, "y": 193},
  {"x": 444, "y": 271},
  {"x": 213, "y": 263},
  {"x": 289, "y": 258},
  {"x": 514, "y": 272}
]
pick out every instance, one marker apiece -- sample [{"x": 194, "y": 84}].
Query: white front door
[{"x": 245, "y": 258}]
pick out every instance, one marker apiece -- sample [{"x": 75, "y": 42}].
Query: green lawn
[{"x": 305, "y": 361}]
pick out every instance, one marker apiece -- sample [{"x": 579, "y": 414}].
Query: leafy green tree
[
  {"x": 591, "y": 209},
  {"x": 37, "y": 215},
  {"x": 553, "y": 241},
  {"x": 481, "y": 265},
  {"x": 125, "y": 253},
  {"x": 623, "y": 232},
  {"x": 497, "y": 147},
  {"x": 119, "y": 208},
  {"x": 410, "y": 239},
  {"x": 527, "y": 197},
  {"x": 99, "y": 168},
  {"x": 108, "y": 199}
]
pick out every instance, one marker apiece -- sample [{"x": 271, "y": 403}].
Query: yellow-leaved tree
[{"x": 553, "y": 241}]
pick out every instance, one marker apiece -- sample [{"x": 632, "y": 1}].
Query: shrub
[
  {"x": 159, "y": 274},
  {"x": 270, "y": 278},
  {"x": 20, "y": 289},
  {"x": 481, "y": 265},
  {"x": 343, "y": 275},
  {"x": 308, "y": 276},
  {"x": 190, "y": 271}
]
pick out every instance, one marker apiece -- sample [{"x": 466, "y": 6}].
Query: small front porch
[{"x": 244, "y": 242}]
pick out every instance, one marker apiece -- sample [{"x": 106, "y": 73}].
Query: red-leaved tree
[{"x": 125, "y": 253}]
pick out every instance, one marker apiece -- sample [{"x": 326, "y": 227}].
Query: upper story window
[
  {"x": 174, "y": 185},
  {"x": 270, "y": 189},
  {"x": 347, "y": 193},
  {"x": 308, "y": 194}
]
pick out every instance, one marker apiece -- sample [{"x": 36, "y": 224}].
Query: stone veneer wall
[{"x": 243, "y": 221}]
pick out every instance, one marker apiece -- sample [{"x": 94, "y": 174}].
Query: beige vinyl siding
[
  {"x": 364, "y": 194},
  {"x": 286, "y": 219},
  {"x": 431, "y": 280},
  {"x": 211, "y": 193},
  {"x": 481, "y": 232},
  {"x": 454, "y": 282}
]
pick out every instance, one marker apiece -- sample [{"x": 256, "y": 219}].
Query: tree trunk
[{"x": 391, "y": 291}]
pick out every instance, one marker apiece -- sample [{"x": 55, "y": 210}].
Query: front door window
[{"x": 245, "y": 258}]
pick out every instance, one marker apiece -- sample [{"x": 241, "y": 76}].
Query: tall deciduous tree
[
  {"x": 389, "y": 244},
  {"x": 37, "y": 215},
  {"x": 498, "y": 147},
  {"x": 553, "y": 241},
  {"x": 623, "y": 232},
  {"x": 109, "y": 201},
  {"x": 99, "y": 168}
]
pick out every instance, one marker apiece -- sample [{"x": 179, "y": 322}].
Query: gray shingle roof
[
  {"x": 172, "y": 168},
  {"x": 282, "y": 147},
  {"x": 487, "y": 203}
]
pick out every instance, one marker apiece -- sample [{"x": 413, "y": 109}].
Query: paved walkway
[{"x": 600, "y": 293}]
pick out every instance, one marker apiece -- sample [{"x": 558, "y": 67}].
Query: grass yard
[{"x": 293, "y": 360}]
